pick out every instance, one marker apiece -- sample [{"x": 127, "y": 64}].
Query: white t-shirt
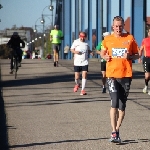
[{"x": 80, "y": 59}]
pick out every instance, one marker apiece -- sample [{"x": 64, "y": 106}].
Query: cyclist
[{"x": 14, "y": 43}]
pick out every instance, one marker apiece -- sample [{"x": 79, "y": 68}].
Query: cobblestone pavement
[{"x": 43, "y": 113}]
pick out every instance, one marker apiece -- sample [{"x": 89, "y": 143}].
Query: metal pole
[
  {"x": 83, "y": 15},
  {"x": 43, "y": 21},
  {"x": 43, "y": 41},
  {"x": 52, "y": 18},
  {"x": 90, "y": 23},
  {"x": 52, "y": 11},
  {"x": 76, "y": 19},
  {"x": 99, "y": 21},
  {"x": 67, "y": 29},
  {"x": 109, "y": 15},
  {"x": 121, "y": 8}
]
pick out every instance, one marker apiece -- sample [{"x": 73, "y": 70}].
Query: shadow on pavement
[
  {"x": 3, "y": 126},
  {"x": 138, "y": 75},
  {"x": 45, "y": 80},
  {"x": 57, "y": 142},
  {"x": 58, "y": 78},
  {"x": 54, "y": 102},
  {"x": 133, "y": 141}
]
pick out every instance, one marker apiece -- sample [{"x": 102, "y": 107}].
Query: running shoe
[
  {"x": 54, "y": 64},
  {"x": 148, "y": 92},
  {"x": 145, "y": 89},
  {"x": 76, "y": 87},
  {"x": 115, "y": 137},
  {"x": 104, "y": 90},
  {"x": 19, "y": 64},
  {"x": 11, "y": 72},
  {"x": 83, "y": 92}
]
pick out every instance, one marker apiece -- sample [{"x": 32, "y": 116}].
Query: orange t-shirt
[{"x": 119, "y": 67}]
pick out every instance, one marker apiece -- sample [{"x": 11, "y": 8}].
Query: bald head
[{"x": 56, "y": 27}]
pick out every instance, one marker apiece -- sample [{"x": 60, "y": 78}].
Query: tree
[{"x": 5, "y": 52}]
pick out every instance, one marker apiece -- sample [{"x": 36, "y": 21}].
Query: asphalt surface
[{"x": 40, "y": 111}]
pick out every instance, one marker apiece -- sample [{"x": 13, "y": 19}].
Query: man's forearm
[
  {"x": 89, "y": 51},
  {"x": 73, "y": 51},
  {"x": 140, "y": 53},
  {"x": 134, "y": 57},
  {"x": 98, "y": 52}
]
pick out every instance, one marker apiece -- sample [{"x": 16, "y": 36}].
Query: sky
[
  {"x": 23, "y": 13},
  {"x": 26, "y": 12}
]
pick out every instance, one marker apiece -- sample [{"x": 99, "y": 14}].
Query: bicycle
[{"x": 15, "y": 63}]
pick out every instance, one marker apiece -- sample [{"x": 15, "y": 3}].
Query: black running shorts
[
  {"x": 80, "y": 68},
  {"x": 146, "y": 64},
  {"x": 119, "y": 91},
  {"x": 56, "y": 46},
  {"x": 103, "y": 66}
]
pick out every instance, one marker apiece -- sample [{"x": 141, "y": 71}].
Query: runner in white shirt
[{"x": 81, "y": 50}]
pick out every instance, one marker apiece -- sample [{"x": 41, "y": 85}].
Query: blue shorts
[{"x": 80, "y": 68}]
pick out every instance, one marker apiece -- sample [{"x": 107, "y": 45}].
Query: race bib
[
  {"x": 118, "y": 52},
  {"x": 56, "y": 36}
]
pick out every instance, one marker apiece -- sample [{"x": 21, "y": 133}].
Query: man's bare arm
[
  {"x": 98, "y": 52},
  {"x": 141, "y": 51},
  {"x": 105, "y": 55},
  {"x": 74, "y": 52}
]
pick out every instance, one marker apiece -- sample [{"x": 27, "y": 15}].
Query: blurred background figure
[
  {"x": 56, "y": 36},
  {"x": 16, "y": 43},
  {"x": 66, "y": 50},
  {"x": 48, "y": 56}
]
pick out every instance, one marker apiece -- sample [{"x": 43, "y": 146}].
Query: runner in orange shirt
[
  {"x": 145, "y": 47},
  {"x": 119, "y": 49}
]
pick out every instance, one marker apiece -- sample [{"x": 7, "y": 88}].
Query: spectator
[{"x": 66, "y": 50}]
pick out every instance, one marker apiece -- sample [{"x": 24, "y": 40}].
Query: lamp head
[
  {"x": 51, "y": 7},
  {"x": 42, "y": 21}
]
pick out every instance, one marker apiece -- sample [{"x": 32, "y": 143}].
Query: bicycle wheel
[{"x": 15, "y": 67}]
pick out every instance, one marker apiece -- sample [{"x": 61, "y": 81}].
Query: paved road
[{"x": 43, "y": 113}]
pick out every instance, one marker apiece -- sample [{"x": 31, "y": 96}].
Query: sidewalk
[{"x": 43, "y": 113}]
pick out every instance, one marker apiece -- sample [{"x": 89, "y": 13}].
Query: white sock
[
  {"x": 77, "y": 81},
  {"x": 83, "y": 83}
]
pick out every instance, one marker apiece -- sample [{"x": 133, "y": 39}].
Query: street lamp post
[
  {"x": 35, "y": 29},
  {"x": 35, "y": 33},
  {"x": 45, "y": 15},
  {"x": 1, "y": 8},
  {"x": 43, "y": 22},
  {"x": 51, "y": 8}
]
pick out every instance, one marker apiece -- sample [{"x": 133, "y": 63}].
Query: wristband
[{"x": 130, "y": 57}]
